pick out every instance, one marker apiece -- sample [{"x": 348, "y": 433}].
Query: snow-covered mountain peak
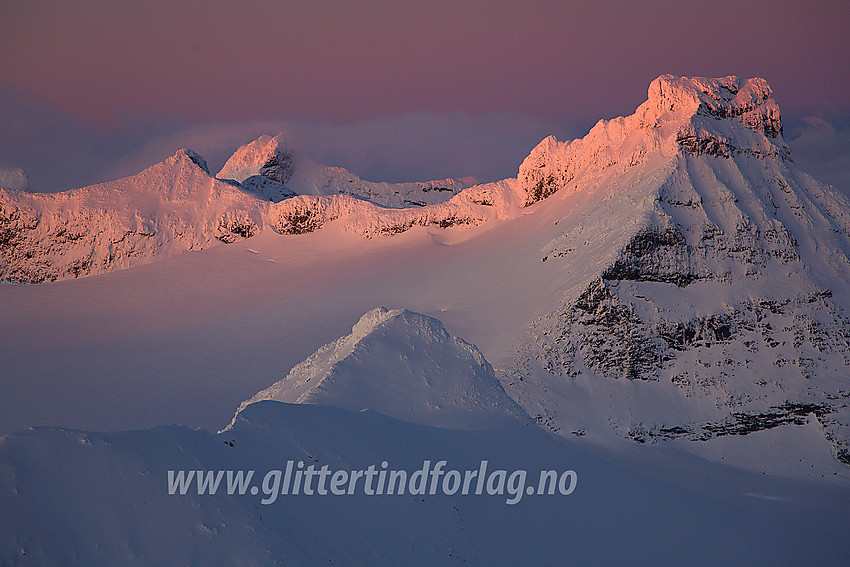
[
  {"x": 169, "y": 208},
  {"x": 192, "y": 156},
  {"x": 682, "y": 115},
  {"x": 268, "y": 168},
  {"x": 266, "y": 156},
  {"x": 404, "y": 365},
  {"x": 722, "y": 279},
  {"x": 370, "y": 320}
]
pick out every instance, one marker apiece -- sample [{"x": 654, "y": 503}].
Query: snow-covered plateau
[{"x": 661, "y": 306}]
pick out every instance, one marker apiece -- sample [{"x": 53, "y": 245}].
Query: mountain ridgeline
[{"x": 178, "y": 205}]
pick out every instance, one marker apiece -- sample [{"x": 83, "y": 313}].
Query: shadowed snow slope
[
  {"x": 404, "y": 365},
  {"x": 83, "y": 498}
]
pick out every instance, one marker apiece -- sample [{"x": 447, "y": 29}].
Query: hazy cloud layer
[
  {"x": 391, "y": 90},
  {"x": 398, "y": 148},
  {"x": 822, "y": 148},
  {"x": 58, "y": 152},
  {"x": 55, "y": 150}
]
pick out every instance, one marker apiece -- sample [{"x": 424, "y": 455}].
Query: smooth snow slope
[{"x": 83, "y": 498}]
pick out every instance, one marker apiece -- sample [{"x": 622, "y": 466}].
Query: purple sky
[{"x": 122, "y": 75}]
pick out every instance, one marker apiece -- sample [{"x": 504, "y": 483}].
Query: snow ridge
[
  {"x": 176, "y": 206},
  {"x": 169, "y": 208}
]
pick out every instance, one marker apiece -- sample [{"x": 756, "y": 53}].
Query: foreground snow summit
[{"x": 404, "y": 365}]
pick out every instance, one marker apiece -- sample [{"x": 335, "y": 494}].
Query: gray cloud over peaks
[{"x": 58, "y": 152}]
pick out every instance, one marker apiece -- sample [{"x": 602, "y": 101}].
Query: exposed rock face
[
  {"x": 196, "y": 159},
  {"x": 278, "y": 167},
  {"x": 306, "y": 213},
  {"x": 750, "y": 103},
  {"x": 694, "y": 115},
  {"x": 654, "y": 256}
]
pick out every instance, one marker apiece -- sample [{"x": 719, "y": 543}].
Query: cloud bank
[
  {"x": 821, "y": 147},
  {"x": 55, "y": 152},
  {"x": 59, "y": 153}
]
